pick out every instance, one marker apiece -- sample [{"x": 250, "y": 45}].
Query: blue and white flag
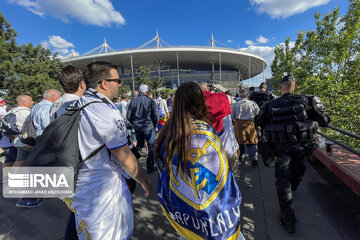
[{"x": 204, "y": 202}]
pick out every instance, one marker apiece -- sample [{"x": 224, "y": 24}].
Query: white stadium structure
[{"x": 177, "y": 64}]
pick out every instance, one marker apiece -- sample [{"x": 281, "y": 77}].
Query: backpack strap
[{"x": 93, "y": 153}]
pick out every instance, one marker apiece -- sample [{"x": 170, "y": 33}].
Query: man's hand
[
  {"x": 131, "y": 165},
  {"x": 147, "y": 188}
]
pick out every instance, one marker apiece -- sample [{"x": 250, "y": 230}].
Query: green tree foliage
[
  {"x": 165, "y": 93},
  {"x": 144, "y": 78},
  {"x": 125, "y": 88},
  {"x": 326, "y": 63},
  {"x": 8, "y": 50},
  {"x": 25, "y": 69}
]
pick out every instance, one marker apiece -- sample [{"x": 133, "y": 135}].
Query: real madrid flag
[{"x": 203, "y": 202}]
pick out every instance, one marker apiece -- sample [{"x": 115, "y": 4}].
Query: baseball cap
[{"x": 144, "y": 88}]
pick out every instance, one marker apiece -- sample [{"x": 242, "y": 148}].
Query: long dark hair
[{"x": 189, "y": 103}]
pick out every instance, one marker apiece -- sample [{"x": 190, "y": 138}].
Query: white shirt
[
  {"x": 60, "y": 105},
  {"x": 2, "y": 111},
  {"x": 161, "y": 103},
  {"x": 244, "y": 109},
  {"x": 21, "y": 114},
  {"x": 101, "y": 197},
  {"x": 122, "y": 106}
]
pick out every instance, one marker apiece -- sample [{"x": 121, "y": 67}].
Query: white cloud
[
  {"x": 58, "y": 44},
  {"x": 249, "y": 42},
  {"x": 262, "y": 39},
  {"x": 98, "y": 12},
  {"x": 229, "y": 41},
  {"x": 267, "y": 53},
  {"x": 284, "y": 8}
]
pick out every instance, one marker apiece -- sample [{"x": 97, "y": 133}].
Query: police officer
[
  {"x": 289, "y": 123},
  {"x": 261, "y": 96}
]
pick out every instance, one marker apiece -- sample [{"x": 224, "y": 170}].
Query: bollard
[{"x": 328, "y": 146}]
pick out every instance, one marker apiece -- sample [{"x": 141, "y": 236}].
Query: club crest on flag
[{"x": 200, "y": 186}]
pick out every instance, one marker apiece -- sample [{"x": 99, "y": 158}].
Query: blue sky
[{"x": 79, "y": 26}]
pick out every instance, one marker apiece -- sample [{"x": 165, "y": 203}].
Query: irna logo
[{"x": 34, "y": 180}]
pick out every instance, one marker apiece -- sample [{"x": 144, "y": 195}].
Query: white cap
[{"x": 144, "y": 88}]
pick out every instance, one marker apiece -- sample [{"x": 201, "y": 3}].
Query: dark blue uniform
[
  {"x": 261, "y": 97},
  {"x": 289, "y": 123}
]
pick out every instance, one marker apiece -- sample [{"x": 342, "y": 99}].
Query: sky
[{"x": 78, "y": 26}]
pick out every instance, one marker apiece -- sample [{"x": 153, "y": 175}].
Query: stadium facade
[{"x": 177, "y": 64}]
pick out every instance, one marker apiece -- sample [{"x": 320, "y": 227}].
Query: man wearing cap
[
  {"x": 261, "y": 96},
  {"x": 289, "y": 123},
  {"x": 143, "y": 115}
]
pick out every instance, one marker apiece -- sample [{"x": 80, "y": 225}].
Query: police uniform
[
  {"x": 261, "y": 97},
  {"x": 289, "y": 123}
]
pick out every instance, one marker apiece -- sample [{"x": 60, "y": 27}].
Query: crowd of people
[{"x": 193, "y": 140}]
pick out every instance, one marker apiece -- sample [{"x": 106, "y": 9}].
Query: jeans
[
  {"x": 251, "y": 149},
  {"x": 149, "y": 136}
]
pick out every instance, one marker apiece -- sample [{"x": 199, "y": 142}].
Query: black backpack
[
  {"x": 8, "y": 124},
  {"x": 58, "y": 144},
  {"x": 28, "y": 132}
]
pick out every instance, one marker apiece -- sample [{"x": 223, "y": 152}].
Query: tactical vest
[
  {"x": 290, "y": 125},
  {"x": 260, "y": 97}
]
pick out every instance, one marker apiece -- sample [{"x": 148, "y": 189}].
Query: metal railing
[{"x": 339, "y": 143}]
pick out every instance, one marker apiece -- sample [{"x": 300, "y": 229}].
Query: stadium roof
[{"x": 183, "y": 57}]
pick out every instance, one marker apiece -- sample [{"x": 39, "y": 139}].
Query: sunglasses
[{"x": 118, "y": 80}]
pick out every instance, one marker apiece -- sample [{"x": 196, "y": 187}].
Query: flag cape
[{"x": 204, "y": 202}]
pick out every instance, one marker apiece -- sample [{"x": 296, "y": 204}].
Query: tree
[
  {"x": 8, "y": 49},
  {"x": 36, "y": 70},
  {"x": 125, "y": 88},
  {"x": 144, "y": 78},
  {"x": 283, "y": 62},
  {"x": 326, "y": 63},
  {"x": 25, "y": 69}
]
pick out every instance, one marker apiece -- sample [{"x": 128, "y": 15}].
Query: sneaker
[
  {"x": 21, "y": 202},
  {"x": 30, "y": 203}
]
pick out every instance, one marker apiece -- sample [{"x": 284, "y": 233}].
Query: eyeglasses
[{"x": 118, "y": 80}]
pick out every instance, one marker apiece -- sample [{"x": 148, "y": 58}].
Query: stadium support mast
[
  {"x": 104, "y": 48},
  {"x": 156, "y": 39}
]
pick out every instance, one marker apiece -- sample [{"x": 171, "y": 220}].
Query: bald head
[
  {"x": 24, "y": 101},
  {"x": 51, "y": 95}
]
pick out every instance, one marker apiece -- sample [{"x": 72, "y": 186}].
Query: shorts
[{"x": 10, "y": 154}]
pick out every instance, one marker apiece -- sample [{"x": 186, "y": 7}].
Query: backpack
[
  {"x": 28, "y": 132},
  {"x": 58, "y": 144},
  {"x": 8, "y": 124}
]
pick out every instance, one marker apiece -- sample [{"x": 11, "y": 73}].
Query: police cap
[{"x": 287, "y": 78}]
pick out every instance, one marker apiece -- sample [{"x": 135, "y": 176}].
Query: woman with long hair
[{"x": 197, "y": 189}]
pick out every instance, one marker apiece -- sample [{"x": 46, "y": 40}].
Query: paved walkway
[{"x": 325, "y": 209}]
